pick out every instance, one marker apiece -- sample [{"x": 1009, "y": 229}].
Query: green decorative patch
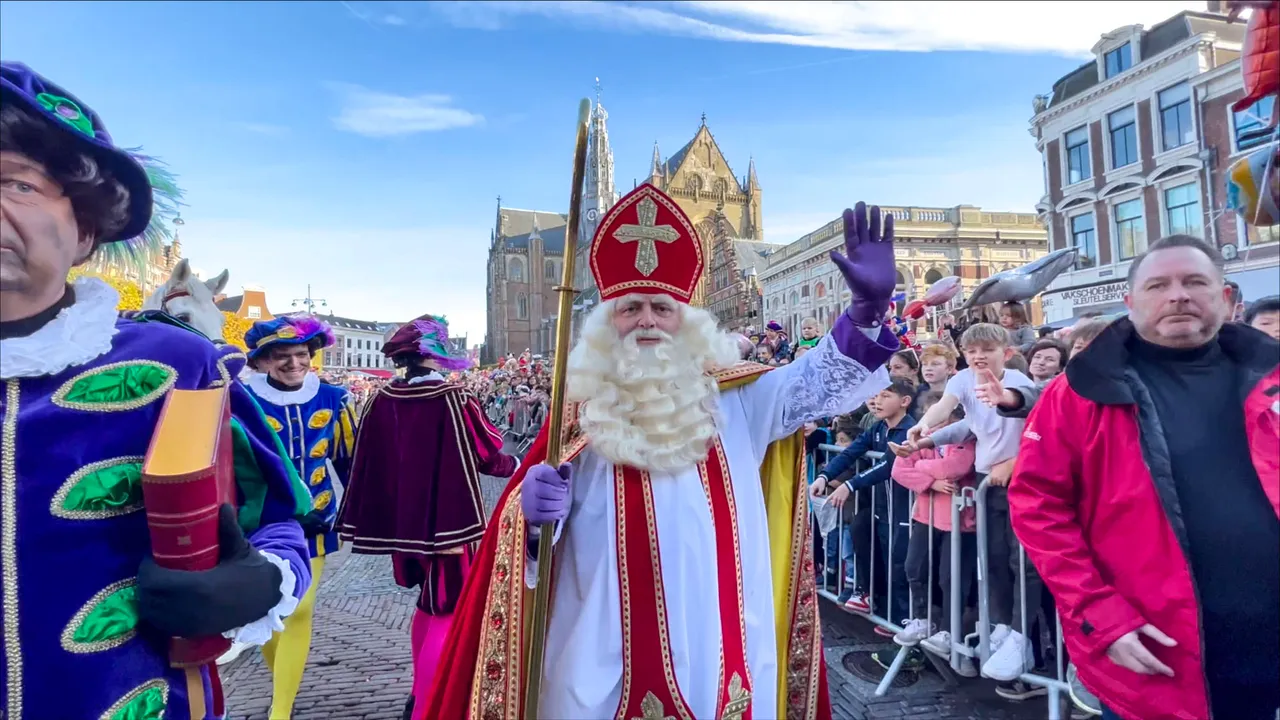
[
  {"x": 107, "y": 621},
  {"x": 145, "y": 702},
  {"x": 105, "y": 489},
  {"x": 117, "y": 387},
  {"x": 66, "y": 110}
]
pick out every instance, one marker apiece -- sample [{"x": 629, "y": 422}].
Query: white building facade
[{"x": 1135, "y": 145}]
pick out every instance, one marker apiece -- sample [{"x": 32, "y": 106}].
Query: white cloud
[
  {"x": 393, "y": 19},
  {"x": 380, "y": 114},
  {"x": 263, "y": 128},
  {"x": 1065, "y": 28}
]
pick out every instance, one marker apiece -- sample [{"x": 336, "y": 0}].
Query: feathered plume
[
  {"x": 433, "y": 343},
  {"x": 137, "y": 251},
  {"x": 307, "y": 325}
]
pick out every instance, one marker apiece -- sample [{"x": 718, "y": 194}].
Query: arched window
[
  {"x": 721, "y": 188},
  {"x": 900, "y": 280},
  {"x": 549, "y": 269},
  {"x": 693, "y": 184},
  {"x": 795, "y": 298},
  {"x": 522, "y": 307},
  {"x": 820, "y": 290},
  {"x": 932, "y": 276},
  {"x": 515, "y": 270}
]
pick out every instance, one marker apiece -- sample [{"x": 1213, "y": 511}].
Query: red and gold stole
[{"x": 649, "y": 687}]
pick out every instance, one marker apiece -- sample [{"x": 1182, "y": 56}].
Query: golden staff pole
[{"x": 555, "y": 415}]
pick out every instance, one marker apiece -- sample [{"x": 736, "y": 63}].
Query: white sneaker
[
  {"x": 913, "y": 632},
  {"x": 998, "y": 634},
  {"x": 1010, "y": 660},
  {"x": 938, "y": 643},
  {"x": 234, "y": 652}
]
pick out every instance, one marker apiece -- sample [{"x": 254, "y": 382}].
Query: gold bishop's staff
[{"x": 555, "y": 416}]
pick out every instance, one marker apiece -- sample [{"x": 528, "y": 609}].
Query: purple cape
[{"x": 415, "y": 476}]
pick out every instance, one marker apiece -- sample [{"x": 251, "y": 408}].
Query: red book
[{"x": 187, "y": 475}]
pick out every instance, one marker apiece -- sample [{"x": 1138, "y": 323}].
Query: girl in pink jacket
[{"x": 935, "y": 475}]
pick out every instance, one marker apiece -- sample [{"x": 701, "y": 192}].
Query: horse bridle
[{"x": 174, "y": 295}]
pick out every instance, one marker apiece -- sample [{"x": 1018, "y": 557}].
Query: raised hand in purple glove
[
  {"x": 544, "y": 497},
  {"x": 867, "y": 265}
]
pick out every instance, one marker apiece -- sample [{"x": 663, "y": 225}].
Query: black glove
[
  {"x": 313, "y": 523},
  {"x": 240, "y": 590}
]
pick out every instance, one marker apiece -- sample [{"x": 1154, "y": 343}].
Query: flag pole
[{"x": 555, "y": 416}]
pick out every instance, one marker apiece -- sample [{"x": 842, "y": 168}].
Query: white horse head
[{"x": 185, "y": 297}]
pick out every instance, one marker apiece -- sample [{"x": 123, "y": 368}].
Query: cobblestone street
[{"x": 360, "y": 666}]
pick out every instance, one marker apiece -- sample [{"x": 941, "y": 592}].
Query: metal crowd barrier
[{"x": 964, "y": 648}]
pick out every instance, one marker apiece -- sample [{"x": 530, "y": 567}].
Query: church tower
[{"x": 598, "y": 194}]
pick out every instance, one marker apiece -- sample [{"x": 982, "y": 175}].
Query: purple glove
[
  {"x": 544, "y": 497},
  {"x": 867, "y": 265}
]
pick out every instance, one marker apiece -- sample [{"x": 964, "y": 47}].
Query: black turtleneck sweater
[
  {"x": 1232, "y": 531},
  {"x": 28, "y": 325}
]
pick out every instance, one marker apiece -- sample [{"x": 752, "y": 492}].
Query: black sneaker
[{"x": 1018, "y": 690}]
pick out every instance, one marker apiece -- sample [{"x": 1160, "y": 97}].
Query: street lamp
[{"x": 309, "y": 302}]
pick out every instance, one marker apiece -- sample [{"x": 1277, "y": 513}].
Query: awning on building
[{"x": 374, "y": 372}]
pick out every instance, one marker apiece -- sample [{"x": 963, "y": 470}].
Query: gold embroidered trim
[
  {"x": 651, "y": 709},
  {"x": 60, "y": 395},
  {"x": 9, "y": 549},
  {"x": 495, "y": 693},
  {"x": 56, "y": 505},
  {"x": 739, "y": 700},
  {"x": 134, "y": 694},
  {"x": 223, "y": 370},
  {"x": 68, "y": 633},
  {"x": 804, "y": 647}
]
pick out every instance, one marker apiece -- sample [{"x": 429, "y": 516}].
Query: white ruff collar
[
  {"x": 80, "y": 333},
  {"x": 433, "y": 375},
  {"x": 310, "y": 386}
]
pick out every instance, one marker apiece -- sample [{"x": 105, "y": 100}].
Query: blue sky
[{"x": 361, "y": 146}]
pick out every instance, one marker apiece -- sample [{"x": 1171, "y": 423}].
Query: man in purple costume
[
  {"x": 415, "y": 482},
  {"x": 81, "y": 391}
]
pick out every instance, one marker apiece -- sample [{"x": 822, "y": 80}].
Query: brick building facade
[{"x": 1135, "y": 144}]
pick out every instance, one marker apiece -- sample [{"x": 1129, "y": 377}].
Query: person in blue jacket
[{"x": 893, "y": 410}]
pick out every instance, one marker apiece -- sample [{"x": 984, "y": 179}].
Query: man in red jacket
[{"x": 1147, "y": 494}]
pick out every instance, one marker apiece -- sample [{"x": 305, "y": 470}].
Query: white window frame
[
  {"x": 1133, "y": 58},
  {"x": 254, "y": 312},
  {"x": 1157, "y": 121},
  {"x": 1108, "y": 158},
  {"x": 1114, "y": 227},
  {"x": 1065, "y": 165},
  {"x": 1190, "y": 177},
  {"x": 1242, "y": 235},
  {"x": 1069, "y": 216},
  {"x": 1231, "y": 128}
]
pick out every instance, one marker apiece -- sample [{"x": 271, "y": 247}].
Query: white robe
[{"x": 583, "y": 667}]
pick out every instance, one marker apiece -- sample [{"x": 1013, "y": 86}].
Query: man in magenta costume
[
  {"x": 87, "y": 612},
  {"x": 414, "y": 490}
]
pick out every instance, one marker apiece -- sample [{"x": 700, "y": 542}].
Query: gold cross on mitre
[{"x": 645, "y": 235}]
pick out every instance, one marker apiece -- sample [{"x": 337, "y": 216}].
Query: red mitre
[{"x": 646, "y": 244}]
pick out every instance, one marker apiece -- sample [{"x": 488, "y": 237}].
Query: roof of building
[
  {"x": 231, "y": 303},
  {"x": 517, "y": 226},
  {"x": 752, "y": 254},
  {"x": 1154, "y": 41},
  {"x": 342, "y": 323}
]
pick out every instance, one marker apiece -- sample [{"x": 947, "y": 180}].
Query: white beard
[{"x": 651, "y": 407}]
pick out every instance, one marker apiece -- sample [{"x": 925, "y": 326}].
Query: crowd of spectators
[{"x": 956, "y": 414}]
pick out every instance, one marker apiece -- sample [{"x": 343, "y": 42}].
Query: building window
[
  {"x": 255, "y": 312},
  {"x": 1078, "y": 155},
  {"x": 820, "y": 291},
  {"x": 1131, "y": 231},
  {"x": 1251, "y": 123},
  {"x": 1175, "y": 116},
  {"x": 1118, "y": 60},
  {"x": 1085, "y": 240},
  {"x": 1124, "y": 137},
  {"x": 515, "y": 270},
  {"x": 522, "y": 307},
  {"x": 804, "y": 291},
  {"x": 1182, "y": 210},
  {"x": 549, "y": 269},
  {"x": 348, "y": 343},
  {"x": 1251, "y": 235}
]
